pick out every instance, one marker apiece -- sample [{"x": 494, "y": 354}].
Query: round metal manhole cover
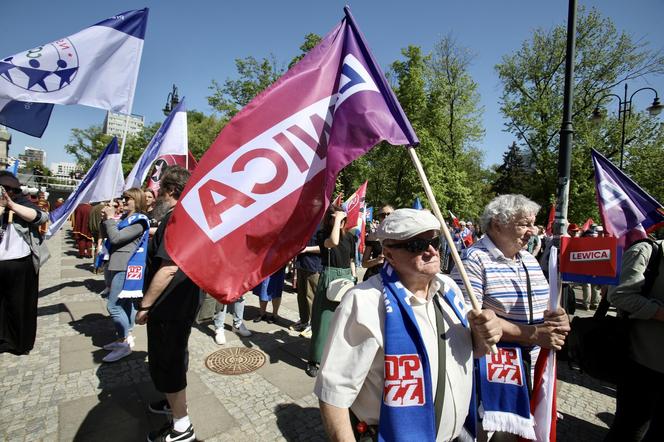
[{"x": 235, "y": 360}]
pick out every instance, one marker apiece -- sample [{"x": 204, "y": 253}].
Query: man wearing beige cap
[{"x": 400, "y": 349}]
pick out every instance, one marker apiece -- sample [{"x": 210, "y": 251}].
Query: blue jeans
[
  {"x": 220, "y": 313},
  {"x": 122, "y": 311}
]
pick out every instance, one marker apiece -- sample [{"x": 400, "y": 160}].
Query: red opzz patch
[
  {"x": 404, "y": 381},
  {"x": 504, "y": 367},
  {"x": 134, "y": 272}
]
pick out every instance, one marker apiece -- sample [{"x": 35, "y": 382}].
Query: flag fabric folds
[
  {"x": 171, "y": 138},
  {"x": 164, "y": 161},
  {"x": 543, "y": 400},
  {"x": 102, "y": 182},
  {"x": 628, "y": 212},
  {"x": 96, "y": 67},
  {"x": 550, "y": 219},
  {"x": 455, "y": 220},
  {"x": 261, "y": 189},
  {"x": 355, "y": 208},
  {"x": 29, "y": 118},
  {"x": 13, "y": 168}
]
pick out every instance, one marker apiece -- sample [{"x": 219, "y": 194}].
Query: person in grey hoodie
[{"x": 123, "y": 243}]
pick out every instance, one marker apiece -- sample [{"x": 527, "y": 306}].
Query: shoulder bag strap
[
  {"x": 530, "y": 293},
  {"x": 442, "y": 343}
]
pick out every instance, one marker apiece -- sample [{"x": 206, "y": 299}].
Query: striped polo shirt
[{"x": 500, "y": 283}]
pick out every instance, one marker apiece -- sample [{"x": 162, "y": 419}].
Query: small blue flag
[{"x": 29, "y": 118}]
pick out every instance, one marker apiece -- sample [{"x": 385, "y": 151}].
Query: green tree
[
  {"x": 512, "y": 174},
  {"x": 310, "y": 41},
  {"x": 533, "y": 81},
  {"x": 254, "y": 76},
  {"x": 203, "y": 130},
  {"x": 86, "y": 145}
]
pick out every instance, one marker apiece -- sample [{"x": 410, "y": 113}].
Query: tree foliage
[
  {"x": 254, "y": 76},
  {"x": 532, "y": 101}
]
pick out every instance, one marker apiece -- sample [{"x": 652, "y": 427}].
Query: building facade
[
  {"x": 33, "y": 154},
  {"x": 63, "y": 169},
  {"x": 114, "y": 124}
]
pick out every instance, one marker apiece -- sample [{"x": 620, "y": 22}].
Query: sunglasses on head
[{"x": 417, "y": 245}]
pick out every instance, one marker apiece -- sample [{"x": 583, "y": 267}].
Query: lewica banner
[{"x": 590, "y": 260}]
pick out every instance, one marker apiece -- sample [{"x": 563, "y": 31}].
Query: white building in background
[
  {"x": 33, "y": 154},
  {"x": 63, "y": 169},
  {"x": 114, "y": 124}
]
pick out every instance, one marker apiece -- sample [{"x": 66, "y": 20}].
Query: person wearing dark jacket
[{"x": 20, "y": 243}]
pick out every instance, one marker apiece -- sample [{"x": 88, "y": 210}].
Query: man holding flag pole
[{"x": 265, "y": 182}]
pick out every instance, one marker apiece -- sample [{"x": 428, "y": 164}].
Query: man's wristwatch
[{"x": 144, "y": 309}]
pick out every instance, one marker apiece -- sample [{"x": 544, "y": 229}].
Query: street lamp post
[
  {"x": 172, "y": 100},
  {"x": 625, "y": 110}
]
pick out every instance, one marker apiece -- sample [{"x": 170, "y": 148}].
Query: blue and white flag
[
  {"x": 103, "y": 182},
  {"x": 13, "y": 169},
  {"x": 170, "y": 139},
  {"x": 29, "y": 118},
  {"x": 97, "y": 66}
]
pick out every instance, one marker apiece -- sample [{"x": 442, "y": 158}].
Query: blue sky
[{"x": 190, "y": 43}]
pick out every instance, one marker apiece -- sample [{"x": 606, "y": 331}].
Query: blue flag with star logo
[
  {"x": 96, "y": 67},
  {"x": 29, "y": 118}
]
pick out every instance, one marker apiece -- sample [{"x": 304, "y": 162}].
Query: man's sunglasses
[{"x": 417, "y": 245}]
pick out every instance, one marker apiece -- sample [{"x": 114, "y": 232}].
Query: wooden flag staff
[{"x": 446, "y": 233}]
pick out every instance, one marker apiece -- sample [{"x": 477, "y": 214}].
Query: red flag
[
  {"x": 552, "y": 217},
  {"x": 169, "y": 160},
  {"x": 338, "y": 201},
  {"x": 355, "y": 207},
  {"x": 589, "y": 222},
  {"x": 468, "y": 239},
  {"x": 261, "y": 189},
  {"x": 543, "y": 402},
  {"x": 455, "y": 220}
]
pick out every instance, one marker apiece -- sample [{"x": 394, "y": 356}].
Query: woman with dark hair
[
  {"x": 19, "y": 266},
  {"x": 337, "y": 251},
  {"x": 127, "y": 245}
]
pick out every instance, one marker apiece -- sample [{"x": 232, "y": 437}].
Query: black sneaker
[
  {"x": 168, "y": 434},
  {"x": 160, "y": 407}
]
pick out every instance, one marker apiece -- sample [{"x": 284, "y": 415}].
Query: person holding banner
[
  {"x": 19, "y": 266},
  {"x": 337, "y": 251},
  {"x": 126, "y": 242},
  {"x": 398, "y": 364},
  {"x": 511, "y": 283}
]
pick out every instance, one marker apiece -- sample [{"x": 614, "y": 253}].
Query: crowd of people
[{"x": 402, "y": 344}]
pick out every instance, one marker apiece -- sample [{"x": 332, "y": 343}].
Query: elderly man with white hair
[
  {"x": 398, "y": 364},
  {"x": 509, "y": 281}
]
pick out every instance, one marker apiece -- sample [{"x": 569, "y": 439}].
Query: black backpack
[{"x": 598, "y": 345}]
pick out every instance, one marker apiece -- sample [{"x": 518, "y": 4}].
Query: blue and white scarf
[
  {"x": 135, "y": 273},
  {"x": 407, "y": 393},
  {"x": 505, "y": 402}
]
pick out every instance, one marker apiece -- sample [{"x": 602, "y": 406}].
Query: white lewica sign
[{"x": 590, "y": 255}]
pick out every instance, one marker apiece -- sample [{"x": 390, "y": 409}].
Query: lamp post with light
[
  {"x": 172, "y": 100},
  {"x": 624, "y": 111}
]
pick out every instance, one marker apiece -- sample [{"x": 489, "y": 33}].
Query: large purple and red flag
[
  {"x": 259, "y": 192},
  {"x": 628, "y": 212}
]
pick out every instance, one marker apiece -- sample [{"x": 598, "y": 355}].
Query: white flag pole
[{"x": 446, "y": 233}]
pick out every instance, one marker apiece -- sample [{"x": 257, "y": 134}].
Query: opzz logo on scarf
[
  {"x": 404, "y": 381},
  {"x": 134, "y": 272},
  {"x": 504, "y": 367}
]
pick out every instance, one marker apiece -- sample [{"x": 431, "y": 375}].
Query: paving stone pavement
[{"x": 61, "y": 391}]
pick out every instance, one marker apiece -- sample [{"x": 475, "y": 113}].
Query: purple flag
[
  {"x": 627, "y": 211},
  {"x": 260, "y": 190}
]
